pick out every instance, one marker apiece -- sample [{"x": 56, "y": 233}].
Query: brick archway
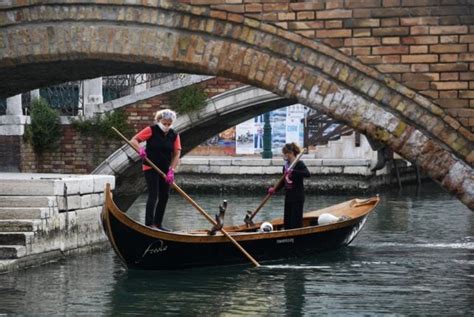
[{"x": 41, "y": 44}]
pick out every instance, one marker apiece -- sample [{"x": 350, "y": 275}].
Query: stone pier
[{"x": 44, "y": 217}]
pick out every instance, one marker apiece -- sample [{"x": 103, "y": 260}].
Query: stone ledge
[{"x": 32, "y": 184}]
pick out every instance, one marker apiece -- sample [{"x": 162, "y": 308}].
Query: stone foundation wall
[{"x": 43, "y": 216}]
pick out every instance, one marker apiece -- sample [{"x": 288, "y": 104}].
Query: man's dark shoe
[{"x": 164, "y": 229}]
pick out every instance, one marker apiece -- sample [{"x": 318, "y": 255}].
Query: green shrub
[
  {"x": 188, "y": 99},
  {"x": 100, "y": 126},
  {"x": 44, "y": 130}
]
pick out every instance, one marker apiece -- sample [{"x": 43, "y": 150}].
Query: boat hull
[{"x": 140, "y": 247}]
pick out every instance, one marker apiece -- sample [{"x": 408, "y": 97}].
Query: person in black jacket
[
  {"x": 163, "y": 148},
  {"x": 294, "y": 188}
]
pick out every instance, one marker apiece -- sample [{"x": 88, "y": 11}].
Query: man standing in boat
[
  {"x": 163, "y": 148},
  {"x": 294, "y": 187}
]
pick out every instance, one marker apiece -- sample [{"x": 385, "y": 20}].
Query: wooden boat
[{"x": 141, "y": 247}]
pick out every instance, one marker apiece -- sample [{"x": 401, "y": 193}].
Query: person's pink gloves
[
  {"x": 170, "y": 176},
  {"x": 142, "y": 153},
  {"x": 271, "y": 191}
]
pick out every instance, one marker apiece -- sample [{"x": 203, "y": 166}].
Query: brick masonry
[
  {"x": 426, "y": 45},
  {"x": 234, "y": 45}
]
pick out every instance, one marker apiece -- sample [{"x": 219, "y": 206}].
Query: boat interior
[{"x": 341, "y": 212}]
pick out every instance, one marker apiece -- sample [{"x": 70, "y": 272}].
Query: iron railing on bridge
[{"x": 67, "y": 97}]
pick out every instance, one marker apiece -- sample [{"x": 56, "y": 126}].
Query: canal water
[{"x": 415, "y": 256}]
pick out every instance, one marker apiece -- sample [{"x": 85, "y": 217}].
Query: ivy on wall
[
  {"x": 44, "y": 130},
  {"x": 100, "y": 126},
  {"x": 188, "y": 99}
]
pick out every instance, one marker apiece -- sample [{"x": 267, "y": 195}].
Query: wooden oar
[
  {"x": 250, "y": 215},
  {"x": 191, "y": 201}
]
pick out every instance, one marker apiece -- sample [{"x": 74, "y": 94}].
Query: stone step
[
  {"x": 21, "y": 225},
  {"x": 12, "y": 251},
  {"x": 15, "y": 238},
  {"x": 26, "y": 212},
  {"x": 27, "y": 201}
]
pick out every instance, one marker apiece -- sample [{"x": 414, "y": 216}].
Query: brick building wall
[
  {"x": 78, "y": 154},
  {"x": 428, "y": 45}
]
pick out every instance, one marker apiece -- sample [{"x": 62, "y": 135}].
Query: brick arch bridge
[{"x": 42, "y": 44}]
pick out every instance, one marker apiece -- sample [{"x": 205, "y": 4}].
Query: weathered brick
[
  {"x": 390, "y": 22},
  {"x": 466, "y": 94},
  {"x": 393, "y": 68},
  {"x": 361, "y": 32},
  {"x": 398, "y": 49},
  {"x": 306, "y": 6},
  {"x": 391, "y": 59},
  {"x": 370, "y": 59},
  {"x": 335, "y": 4},
  {"x": 420, "y": 40},
  {"x": 391, "y": 3},
  {"x": 305, "y": 15},
  {"x": 450, "y": 76},
  {"x": 448, "y": 58},
  {"x": 275, "y": 7},
  {"x": 467, "y": 57},
  {"x": 334, "y": 14},
  {"x": 300, "y": 25},
  {"x": 457, "y": 29},
  {"x": 366, "y": 41},
  {"x": 391, "y": 31},
  {"x": 418, "y": 85},
  {"x": 466, "y": 38},
  {"x": 467, "y": 76},
  {"x": 448, "y": 48},
  {"x": 362, "y": 3},
  {"x": 418, "y": 49},
  {"x": 284, "y": 16},
  {"x": 424, "y": 58},
  {"x": 419, "y": 30},
  {"x": 449, "y": 39},
  {"x": 449, "y": 67},
  {"x": 361, "y": 23},
  {"x": 334, "y": 33},
  {"x": 254, "y": 7},
  {"x": 451, "y": 85},
  {"x": 333, "y": 24},
  {"x": 391, "y": 40},
  {"x": 419, "y": 21}
]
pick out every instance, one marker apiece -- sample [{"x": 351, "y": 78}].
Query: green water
[{"x": 415, "y": 256}]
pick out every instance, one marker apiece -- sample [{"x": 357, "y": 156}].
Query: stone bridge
[
  {"x": 222, "y": 112},
  {"x": 47, "y": 43}
]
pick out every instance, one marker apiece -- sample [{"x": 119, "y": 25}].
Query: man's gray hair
[{"x": 166, "y": 114}]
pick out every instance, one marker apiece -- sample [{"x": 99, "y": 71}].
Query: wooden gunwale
[{"x": 358, "y": 212}]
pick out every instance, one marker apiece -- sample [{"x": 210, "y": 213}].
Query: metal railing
[
  {"x": 319, "y": 129},
  {"x": 67, "y": 97}
]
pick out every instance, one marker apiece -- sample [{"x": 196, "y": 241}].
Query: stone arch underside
[{"x": 42, "y": 44}]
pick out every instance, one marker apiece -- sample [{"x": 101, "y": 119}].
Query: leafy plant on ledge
[
  {"x": 188, "y": 99},
  {"x": 100, "y": 126},
  {"x": 44, "y": 130}
]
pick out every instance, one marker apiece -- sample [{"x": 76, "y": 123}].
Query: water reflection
[{"x": 415, "y": 256}]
